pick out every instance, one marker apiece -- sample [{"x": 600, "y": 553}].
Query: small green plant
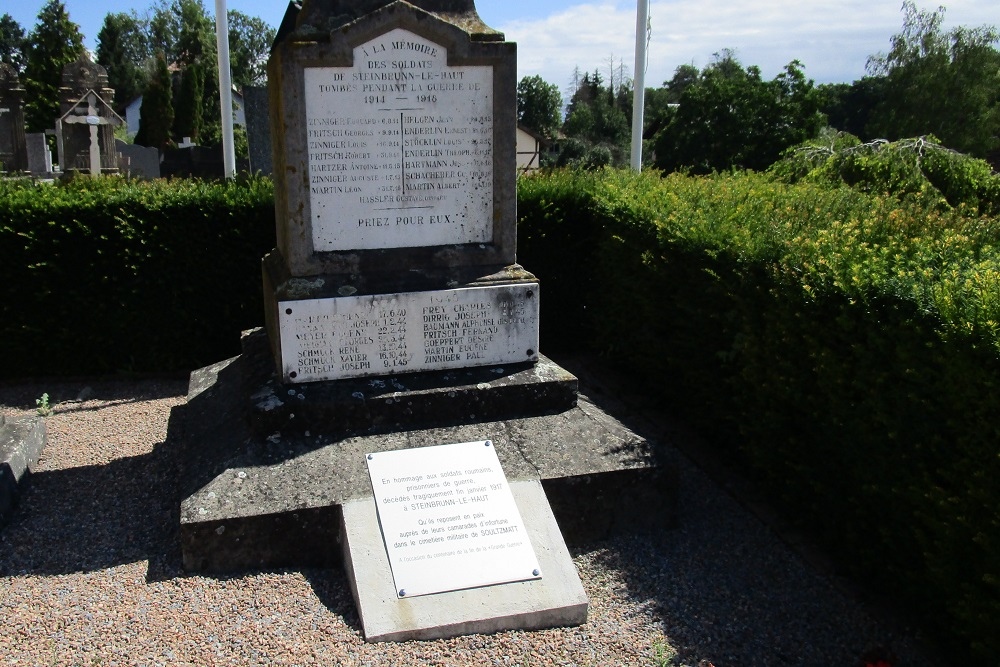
[
  {"x": 44, "y": 409},
  {"x": 663, "y": 653}
]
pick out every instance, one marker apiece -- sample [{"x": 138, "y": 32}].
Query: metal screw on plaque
[
  {"x": 402, "y": 593},
  {"x": 529, "y": 294},
  {"x": 288, "y": 311},
  {"x": 530, "y": 352},
  {"x": 293, "y": 375},
  {"x": 370, "y": 457},
  {"x": 535, "y": 573},
  {"x": 487, "y": 443}
]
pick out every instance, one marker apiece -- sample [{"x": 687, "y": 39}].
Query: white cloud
[{"x": 832, "y": 38}]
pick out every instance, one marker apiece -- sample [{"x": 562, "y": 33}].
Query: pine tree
[
  {"x": 54, "y": 43},
  {"x": 12, "y": 43},
  {"x": 187, "y": 121},
  {"x": 122, "y": 50},
  {"x": 156, "y": 115}
]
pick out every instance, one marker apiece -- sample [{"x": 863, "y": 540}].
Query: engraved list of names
[{"x": 400, "y": 148}]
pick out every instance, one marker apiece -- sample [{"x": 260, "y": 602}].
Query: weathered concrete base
[
  {"x": 555, "y": 600},
  {"x": 253, "y": 498},
  {"x": 21, "y": 443}
]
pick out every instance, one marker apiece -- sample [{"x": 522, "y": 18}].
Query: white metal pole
[
  {"x": 639, "y": 81},
  {"x": 225, "y": 87}
]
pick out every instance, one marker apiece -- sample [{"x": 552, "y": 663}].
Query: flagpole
[
  {"x": 639, "y": 81},
  {"x": 225, "y": 87}
]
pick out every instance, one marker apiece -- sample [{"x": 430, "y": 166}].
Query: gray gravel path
[{"x": 90, "y": 575}]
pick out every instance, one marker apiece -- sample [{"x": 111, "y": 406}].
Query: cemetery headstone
[
  {"x": 395, "y": 197},
  {"x": 143, "y": 161},
  {"x": 13, "y": 145},
  {"x": 85, "y": 128},
  {"x": 258, "y": 129},
  {"x": 39, "y": 155}
]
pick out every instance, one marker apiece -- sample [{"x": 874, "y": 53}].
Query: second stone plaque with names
[
  {"x": 400, "y": 148},
  {"x": 383, "y": 334},
  {"x": 449, "y": 520}
]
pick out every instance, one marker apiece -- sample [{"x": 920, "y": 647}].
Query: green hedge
[
  {"x": 109, "y": 275},
  {"x": 847, "y": 342},
  {"x": 846, "y": 345}
]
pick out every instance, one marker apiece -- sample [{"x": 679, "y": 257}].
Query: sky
[{"x": 831, "y": 38}]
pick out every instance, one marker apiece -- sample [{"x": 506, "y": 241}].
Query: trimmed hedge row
[
  {"x": 110, "y": 275},
  {"x": 848, "y": 343}
]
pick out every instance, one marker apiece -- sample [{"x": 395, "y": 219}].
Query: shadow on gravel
[{"x": 95, "y": 517}]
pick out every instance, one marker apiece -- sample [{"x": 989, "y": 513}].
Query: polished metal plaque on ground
[
  {"x": 383, "y": 334},
  {"x": 400, "y": 148},
  {"x": 448, "y": 519}
]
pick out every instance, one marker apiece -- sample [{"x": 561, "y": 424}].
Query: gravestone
[
  {"x": 13, "y": 146},
  {"x": 258, "y": 129},
  {"x": 39, "y": 155},
  {"x": 85, "y": 136},
  {"x": 398, "y": 326},
  {"x": 143, "y": 161}
]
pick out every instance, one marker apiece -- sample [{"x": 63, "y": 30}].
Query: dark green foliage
[
  {"x": 55, "y": 42},
  {"x": 729, "y": 118},
  {"x": 109, "y": 275},
  {"x": 849, "y": 106},
  {"x": 156, "y": 115},
  {"x": 12, "y": 43},
  {"x": 121, "y": 50},
  {"x": 919, "y": 167},
  {"x": 187, "y": 120},
  {"x": 250, "y": 41},
  {"x": 844, "y": 346},
  {"x": 596, "y": 126},
  {"x": 539, "y": 106},
  {"x": 940, "y": 83}
]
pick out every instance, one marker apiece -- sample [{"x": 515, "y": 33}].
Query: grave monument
[
  {"x": 85, "y": 138},
  {"x": 396, "y": 415},
  {"x": 13, "y": 146}
]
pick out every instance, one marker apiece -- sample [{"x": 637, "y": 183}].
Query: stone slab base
[
  {"x": 251, "y": 500},
  {"x": 21, "y": 443},
  {"x": 555, "y": 600}
]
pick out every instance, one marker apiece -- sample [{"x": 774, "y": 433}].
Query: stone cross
[{"x": 93, "y": 120}]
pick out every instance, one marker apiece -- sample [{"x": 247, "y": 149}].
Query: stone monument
[
  {"x": 13, "y": 146},
  {"x": 85, "y": 137},
  {"x": 397, "y": 416}
]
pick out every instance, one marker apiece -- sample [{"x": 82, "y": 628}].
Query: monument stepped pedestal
[
  {"x": 401, "y": 351},
  {"x": 270, "y": 466}
]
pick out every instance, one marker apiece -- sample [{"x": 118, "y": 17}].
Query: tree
[
  {"x": 730, "y": 117},
  {"x": 156, "y": 115},
  {"x": 539, "y": 105},
  {"x": 12, "y": 43},
  {"x": 122, "y": 49},
  {"x": 849, "y": 107},
  {"x": 187, "y": 120},
  {"x": 940, "y": 83},
  {"x": 162, "y": 28},
  {"x": 250, "y": 41},
  {"x": 54, "y": 43}
]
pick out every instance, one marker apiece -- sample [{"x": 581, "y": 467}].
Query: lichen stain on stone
[{"x": 301, "y": 288}]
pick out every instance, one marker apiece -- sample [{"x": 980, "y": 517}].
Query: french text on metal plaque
[
  {"x": 449, "y": 520},
  {"x": 400, "y": 148},
  {"x": 383, "y": 334}
]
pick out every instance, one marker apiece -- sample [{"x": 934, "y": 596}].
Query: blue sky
[{"x": 832, "y": 38}]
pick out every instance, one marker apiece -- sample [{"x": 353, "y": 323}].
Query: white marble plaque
[
  {"x": 448, "y": 519},
  {"x": 400, "y": 148},
  {"x": 382, "y": 334}
]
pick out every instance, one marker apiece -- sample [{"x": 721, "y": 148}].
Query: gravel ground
[{"x": 90, "y": 575}]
